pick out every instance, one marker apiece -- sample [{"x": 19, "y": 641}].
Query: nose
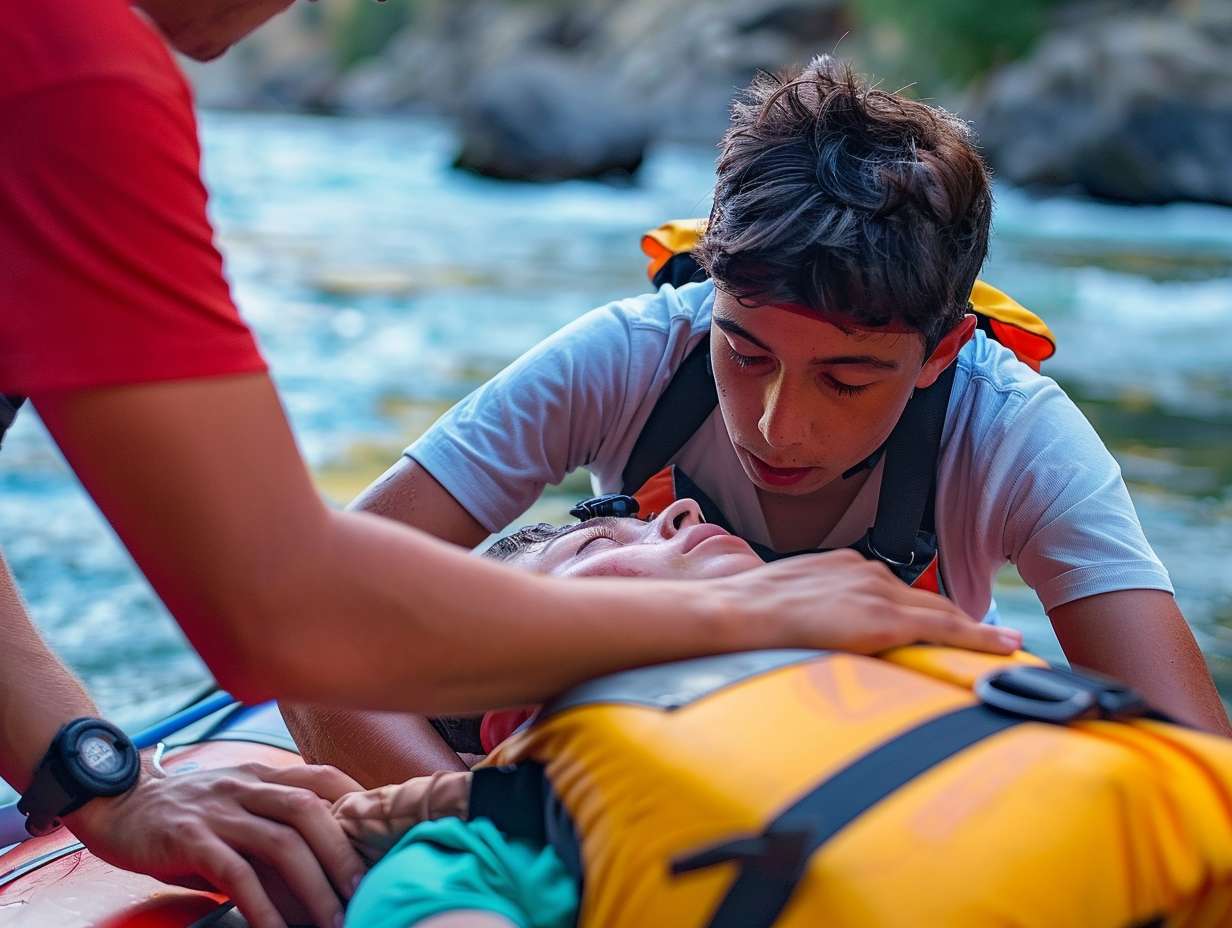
[
  {"x": 784, "y": 419},
  {"x": 678, "y": 516}
]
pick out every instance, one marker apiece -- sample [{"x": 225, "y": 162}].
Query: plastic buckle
[
  {"x": 1054, "y": 694},
  {"x": 599, "y": 507}
]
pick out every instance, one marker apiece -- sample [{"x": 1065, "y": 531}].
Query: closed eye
[
  {"x": 598, "y": 535},
  {"x": 745, "y": 360},
  {"x": 844, "y": 389}
]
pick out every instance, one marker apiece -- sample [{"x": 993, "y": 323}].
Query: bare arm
[
  {"x": 27, "y": 667},
  {"x": 375, "y": 748},
  {"x": 409, "y": 494},
  {"x": 1141, "y": 638},
  {"x": 387, "y": 747},
  {"x": 283, "y": 596}
]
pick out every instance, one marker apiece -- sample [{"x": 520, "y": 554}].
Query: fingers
[
  {"x": 330, "y": 783},
  {"x": 936, "y": 629},
  {"x": 230, "y": 874},
  {"x": 316, "y": 832},
  {"x": 285, "y": 851}
]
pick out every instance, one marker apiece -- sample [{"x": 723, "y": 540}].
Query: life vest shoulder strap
[{"x": 687, "y": 402}]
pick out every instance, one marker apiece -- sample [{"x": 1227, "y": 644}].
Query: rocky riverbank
[{"x": 1121, "y": 99}]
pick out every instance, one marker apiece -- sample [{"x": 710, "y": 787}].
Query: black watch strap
[{"x": 88, "y": 758}]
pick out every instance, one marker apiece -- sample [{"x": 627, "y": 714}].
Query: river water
[{"x": 383, "y": 286}]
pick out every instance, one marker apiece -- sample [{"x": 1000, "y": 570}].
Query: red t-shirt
[{"x": 108, "y": 270}]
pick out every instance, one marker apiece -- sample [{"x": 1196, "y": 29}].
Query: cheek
[
  {"x": 630, "y": 561},
  {"x": 740, "y": 399}
]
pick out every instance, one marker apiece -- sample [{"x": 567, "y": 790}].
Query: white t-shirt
[{"x": 1022, "y": 475}]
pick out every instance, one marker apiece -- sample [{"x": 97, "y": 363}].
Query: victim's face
[
  {"x": 676, "y": 544},
  {"x": 803, "y": 399}
]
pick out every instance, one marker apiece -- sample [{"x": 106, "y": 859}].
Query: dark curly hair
[{"x": 845, "y": 198}]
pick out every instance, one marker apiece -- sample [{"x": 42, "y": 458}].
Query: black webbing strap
[
  {"x": 520, "y": 801},
  {"x": 689, "y": 399},
  {"x": 909, "y": 479},
  {"x": 773, "y": 863}
]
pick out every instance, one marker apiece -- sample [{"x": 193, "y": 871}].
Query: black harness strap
[
  {"x": 909, "y": 481},
  {"x": 687, "y": 402},
  {"x": 773, "y": 863},
  {"x": 520, "y": 801}
]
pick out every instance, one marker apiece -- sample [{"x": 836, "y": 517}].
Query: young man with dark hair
[{"x": 847, "y": 230}]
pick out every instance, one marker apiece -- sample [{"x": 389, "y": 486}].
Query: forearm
[
  {"x": 1141, "y": 638},
  {"x": 374, "y": 748},
  {"x": 419, "y": 624},
  {"x": 38, "y": 694}
]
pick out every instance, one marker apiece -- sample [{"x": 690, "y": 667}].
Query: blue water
[{"x": 384, "y": 285}]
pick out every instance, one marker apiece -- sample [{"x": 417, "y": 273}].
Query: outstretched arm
[
  {"x": 281, "y": 595},
  {"x": 1141, "y": 638}
]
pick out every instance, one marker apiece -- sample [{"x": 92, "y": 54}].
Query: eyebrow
[{"x": 862, "y": 360}]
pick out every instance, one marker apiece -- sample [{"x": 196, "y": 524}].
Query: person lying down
[{"x": 437, "y": 869}]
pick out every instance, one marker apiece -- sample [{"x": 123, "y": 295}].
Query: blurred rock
[
  {"x": 546, "y": 118},
  {"x": 1136, "y": 109}
]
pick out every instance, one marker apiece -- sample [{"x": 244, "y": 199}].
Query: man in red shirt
[{"x": 117, "y": 323}]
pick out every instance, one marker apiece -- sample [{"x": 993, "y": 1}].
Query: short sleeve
[
  {"x": 109, "y": 269},
  {"x": 573, "y": 399},
  {"x": 1064, "y": 515},
  {"x": 449, "y": 865}
]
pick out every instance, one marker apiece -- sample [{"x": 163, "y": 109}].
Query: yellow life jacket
[
  {"x": 803, "y": 788},
  {"x": 1004, "y": 319}
]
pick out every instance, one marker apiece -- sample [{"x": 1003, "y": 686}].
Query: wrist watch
[{"x": 88, "y": 758}]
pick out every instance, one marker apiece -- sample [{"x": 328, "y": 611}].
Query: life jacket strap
[
  {"x": 688, "y": 401},
  {"x": 767, "y": 880},
  {"x": 907, "y": 501}
]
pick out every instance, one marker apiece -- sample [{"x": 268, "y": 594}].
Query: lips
[{"x": 777, "y": 476}]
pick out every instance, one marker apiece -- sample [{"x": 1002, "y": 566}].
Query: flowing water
[{"x": 383, "y": 286}]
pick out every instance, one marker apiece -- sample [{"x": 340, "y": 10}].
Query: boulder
[
  {"x": 1137, "y": 109},
  {"x": 544, "y": 117}
]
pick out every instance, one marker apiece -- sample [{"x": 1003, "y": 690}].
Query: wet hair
[{"x": 844, "y": 198}]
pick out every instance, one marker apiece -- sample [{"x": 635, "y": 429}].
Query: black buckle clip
[
  {"x": 599, "y": 507},
  {"x": 1053, "y": 694}
]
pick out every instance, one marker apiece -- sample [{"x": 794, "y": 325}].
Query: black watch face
[{"x": 98, "y": 754}]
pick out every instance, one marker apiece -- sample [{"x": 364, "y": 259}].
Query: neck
[{"x": 799, "y": 522}]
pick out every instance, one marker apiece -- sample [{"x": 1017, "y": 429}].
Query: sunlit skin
[
  {"x": 805, "y": 400},
  {"x": 204, "y": 29},
  {"x": 677, "y": 545},
  {"x": 806, "y": 397}
]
